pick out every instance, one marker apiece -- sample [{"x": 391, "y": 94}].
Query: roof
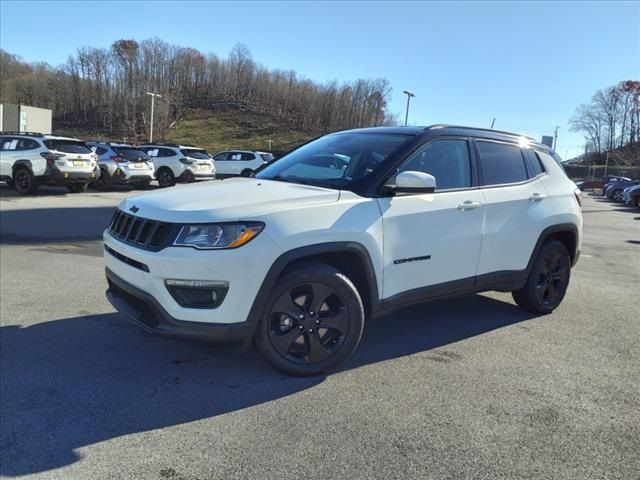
[
  {"x": 449, "y": 130},
  {"x": 55, "y": 137}
]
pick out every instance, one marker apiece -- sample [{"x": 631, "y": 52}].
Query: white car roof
[{"x": 55, "y": 137}]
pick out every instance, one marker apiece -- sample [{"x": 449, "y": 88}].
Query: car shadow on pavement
[{"x": 69, "y": 383}]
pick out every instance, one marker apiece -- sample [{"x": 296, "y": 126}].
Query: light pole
[
  {"x": 409, "y": 95},
  {"x": 153, "y": 101}
]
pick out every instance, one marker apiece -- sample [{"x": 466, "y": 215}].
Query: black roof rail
[
  {"x": 30, "y": 134},
  {"x": 504, "y": 132}
]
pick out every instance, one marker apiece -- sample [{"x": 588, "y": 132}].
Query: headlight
[{"x": 218, "y": 235}]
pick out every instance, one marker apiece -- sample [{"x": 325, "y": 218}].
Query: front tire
[
  {"x": 24, "y": 182},
  {"x": 548, "y": 280},
  {"x": 313, "y": 322},
  {"x": 618, "y": 195}
]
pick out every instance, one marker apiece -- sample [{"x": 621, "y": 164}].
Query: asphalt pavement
[{"x": 469, "y": 388}]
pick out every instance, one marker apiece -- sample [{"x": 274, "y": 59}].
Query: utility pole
[
  {"x": 555, "y": 139},
  {"x": 606, "y": 165},
  {"x": 406, "y": 116},
  {"x": 269, "y": 145},
  {"x": 153, "y": 99}
]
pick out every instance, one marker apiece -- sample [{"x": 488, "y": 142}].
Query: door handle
[
  {"x": 536, "y": 197},
  {"x": 468, "y": 205}
]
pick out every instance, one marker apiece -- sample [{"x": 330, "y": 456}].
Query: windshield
[
  {"x": 67, "y": 146},
  {"x": 131, "y": 153},
  {"x": 196, "y": 153},
  {"x": 335, "y": 160}
]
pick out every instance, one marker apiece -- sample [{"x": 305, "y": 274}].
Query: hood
[{"x": 226, "y": 200}]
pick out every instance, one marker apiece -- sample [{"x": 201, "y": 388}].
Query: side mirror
[{"x": 415, "y": 182}]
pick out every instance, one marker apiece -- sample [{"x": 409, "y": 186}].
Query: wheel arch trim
[{"x": 309, "y": 251}]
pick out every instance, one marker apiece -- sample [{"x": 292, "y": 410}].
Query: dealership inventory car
[
  {"x": 615, "y": 190},
  {"x": 180, "y": 163},
  {"x": 28, "y": 160},
  {"x": 341, "y": 230},
  {"x": 632, "y": 195},
  {"x": 122, "y": 164},
  {"x": 231, "y": 163}
]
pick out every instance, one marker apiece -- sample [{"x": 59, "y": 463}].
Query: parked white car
[
  {"x": 343, "y": 229},
  {"x": 180, "y": 163},
  {"x": 28, "y": 160},
  {"x": 234, "y": 163}
]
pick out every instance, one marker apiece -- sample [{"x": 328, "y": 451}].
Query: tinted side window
[
  {"x": 9, "y": 143},
  {"x": 221, "y": 157},
  {"x": 501, "y": 163},
  {"x": 535, "y": 165},
  {"x": 27, "y": 144},
  {"x": 101, "y": 151},
  {"x": 447, "y": 160},
  {"x": 247, "y": 156}
]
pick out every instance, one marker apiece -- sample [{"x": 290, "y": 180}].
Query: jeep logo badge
[{"x": 134, "y": 209}]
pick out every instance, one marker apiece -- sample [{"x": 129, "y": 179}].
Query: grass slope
[{"x": 216, "y": 130}]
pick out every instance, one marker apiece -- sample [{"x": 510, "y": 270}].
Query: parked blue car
[
  {"x": 632, "y": 196},
  {"x": 615, "y": 190}
]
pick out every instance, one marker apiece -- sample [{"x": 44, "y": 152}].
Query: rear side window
[
  {"x": 27, "y": 144},
  {"x": 535, "y": 165},
  {"x": 501, "y": 163},
  {"x": 247, "y": 156},
  {"x": 267, "y": 157},
  {"x": 221, "y": 157},
  {"x": 447, "y": 160},
  {"x": 67, "y": 146}
]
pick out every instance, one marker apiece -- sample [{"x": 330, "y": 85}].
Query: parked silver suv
[
  {"x": 29, "y": 159},
  {"x": 122, "y": 164}
]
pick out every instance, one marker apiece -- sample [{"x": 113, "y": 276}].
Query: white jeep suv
[
  {"x": 179, "y": 163},
  {"x": 340, "y": 230},
  {"x": 28, "y": 160}
]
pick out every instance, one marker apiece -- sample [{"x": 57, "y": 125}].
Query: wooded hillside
[{"x": 103, "y": 90}]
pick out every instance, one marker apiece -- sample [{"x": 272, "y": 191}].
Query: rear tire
[
  {"x": 78, "y": 187},
  {"x": 247, "y": 172},
  {"x": 165, "y": 178},
  {"x": 24, "y": 182},
  {"x": 313, "y": 322},
  {"x": 548, "y": 280},
  {"x": 637, "y": 202},
  {"x": 104, "y": 181}
]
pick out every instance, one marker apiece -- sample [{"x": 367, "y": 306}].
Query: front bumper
[{"x": 147, "y": 313}]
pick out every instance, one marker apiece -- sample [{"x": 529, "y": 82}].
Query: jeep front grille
[{"x": 141, "y": 232}]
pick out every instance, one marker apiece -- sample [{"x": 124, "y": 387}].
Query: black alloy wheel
[
  {"x": 548, "y": 280},
  {"x": 165, "y": 178},
  {"x": 308, "y": 323},
  {"x": 314, "y": 322},
  {"x": 24, "y": 182}
]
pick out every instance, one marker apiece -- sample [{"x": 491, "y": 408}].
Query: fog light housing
[{"x": 197, "y": 293}]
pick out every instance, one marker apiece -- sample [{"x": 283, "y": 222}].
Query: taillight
[
  {"x": 186, "y": 161},
  {"x": 49, "y": 156},
  {"x": 578, "y": 195},
  {"x": 117, "y": 158}
]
